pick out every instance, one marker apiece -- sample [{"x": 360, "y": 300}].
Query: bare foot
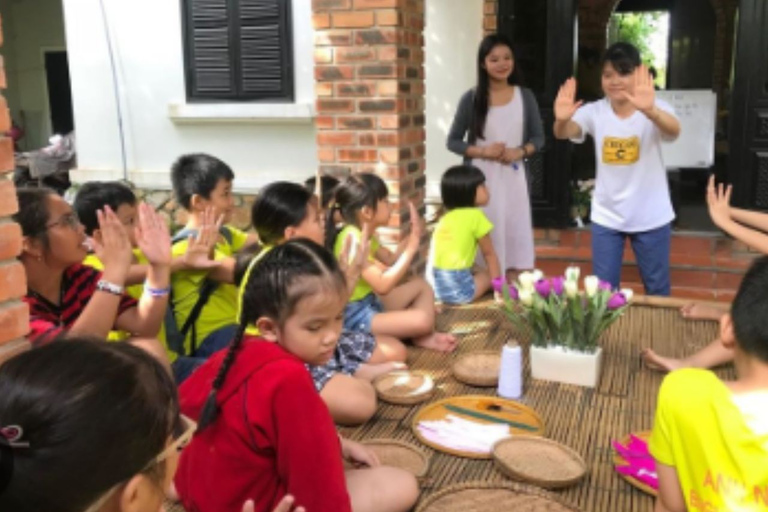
[
  {"x": 662, "y": 364},
  {"x": 696, "y": 311},
  {"x": 371, "y": 371},
  {"x": 440, "y": 341}
]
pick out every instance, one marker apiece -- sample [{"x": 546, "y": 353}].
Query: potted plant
[
  {"x": 565, "y": 322},
  {"x": 581, "y": 192}
]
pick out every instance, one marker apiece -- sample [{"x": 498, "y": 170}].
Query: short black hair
[
  {"x": 280, "y": 205},
  {"x": 352, "y": 195},
  {"x": 197, "y": 173},
  {"x": 458, "y": 187},
  {"x": 33, "y": 214},
  {"x": 328, "y": 185},
  {"x": 750, "y": 310},
  {"x": 624, "y": 57},
  {"x": 95, "y": 195}
]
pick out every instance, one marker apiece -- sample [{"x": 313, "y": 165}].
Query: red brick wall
[
  {"x": 14, "y": 316},
  {"x": 369, "y": 72},
  {"x": 490, "y": 20}
]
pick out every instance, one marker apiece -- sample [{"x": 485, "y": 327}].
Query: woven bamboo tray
[
  {"x": 404, "y": 387},
  {"x": 527, "y": 420},
  {"x": 479, "y": 368},
  {"x": 400, "y": 454},
  {"x": 539, "y": 461},
  {"x": 493, "y": 497},
  {"x": 618, "y": 460}
]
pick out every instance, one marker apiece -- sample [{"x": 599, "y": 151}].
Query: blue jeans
[
  {"x": 358, "y": 314},
  {"x": 219, "y": 339},
  {"x": 454, "y": 286},
  {"x": 651, "y": 250}
]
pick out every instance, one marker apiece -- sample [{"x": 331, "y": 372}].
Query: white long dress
[{"x": 509, "y": 208}]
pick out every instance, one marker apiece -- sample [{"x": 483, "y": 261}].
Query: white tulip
[
  {"x": 591, "y": 284},
  {"x": 537, "y": 275},
  {"x": 628, "y": 294},
  {"x": 572, "y": 274},
  {"x": 526, "y": 297},
  {"x": 571, "y": 289},
  {"x": 526, "y": 281}
]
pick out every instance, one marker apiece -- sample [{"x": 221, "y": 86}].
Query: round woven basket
[
  {"x": 404, "y": 387},
  {"x": 480, "y": 368},
  {"x": 618, "y": 460},
  {"x": 400, "y": 454},
  {"x": 539, "y": 461},
  {"x": 493, "y": 497}
]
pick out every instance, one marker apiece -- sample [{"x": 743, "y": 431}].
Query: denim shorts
[
  {"x": 454, "y": 286},
  {"x": 359, "y": 313},
  {"x": 353, "y": 349}
]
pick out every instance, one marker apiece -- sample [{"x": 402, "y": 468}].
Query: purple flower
[
  {"x": 513, "y": 293},
  {"x": 543, "y": 287},
  {"x": 498, "y": 284},
  {"x": 558, "y": 284},
  {"x": 605, "y": 286},
  {"x": 617, "y": 301}
]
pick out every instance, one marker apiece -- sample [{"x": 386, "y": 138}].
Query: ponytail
[{"x": 331, "y": 229}]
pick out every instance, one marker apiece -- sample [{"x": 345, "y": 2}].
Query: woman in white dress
[{"x": 497, "y": 127}]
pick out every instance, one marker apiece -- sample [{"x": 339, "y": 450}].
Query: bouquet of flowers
[
  {"x": 557, "y": 312},
  {"x": 581, "y": 192}
]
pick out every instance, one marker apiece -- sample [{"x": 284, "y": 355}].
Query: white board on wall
[{"x": 695, "y": 147}]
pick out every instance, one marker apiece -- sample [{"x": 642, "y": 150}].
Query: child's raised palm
[
  {"x": 153, "y": 236},
  {"x": 565, "y": 103},
  {"x": 417, "y": 228},
  {"x": 643, "y": 97},
  {"x": 200, "y": 246}
]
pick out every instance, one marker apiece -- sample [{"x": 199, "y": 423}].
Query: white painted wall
[
  {"x": 262, "y": 143},
  {"x": 451, "y": 37},
  {"x": 29, "y": 27}
]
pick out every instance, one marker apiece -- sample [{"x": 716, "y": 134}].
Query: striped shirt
[{"x": 48, "y": 321}]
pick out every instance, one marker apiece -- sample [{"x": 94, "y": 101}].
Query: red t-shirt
[
  {"x": 273, "y": 436},
  {"x": 48, "y": 320}
]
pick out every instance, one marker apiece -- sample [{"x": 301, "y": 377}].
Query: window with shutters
[{"x": 238, "y": 50}]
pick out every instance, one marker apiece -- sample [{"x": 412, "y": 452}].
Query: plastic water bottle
[{"x": 511, "y": 372}]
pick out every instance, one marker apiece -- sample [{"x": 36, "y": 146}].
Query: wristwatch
[{"x": 105, "y": 286}]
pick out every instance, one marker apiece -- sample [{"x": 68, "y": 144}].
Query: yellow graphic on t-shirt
[{"x": 618, "y": 151}]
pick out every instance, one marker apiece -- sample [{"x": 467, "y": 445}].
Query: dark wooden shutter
[{"x": 238, "y": 50}]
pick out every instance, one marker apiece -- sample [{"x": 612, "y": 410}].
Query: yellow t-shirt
[
  {"x": 251, "y": 329},
  {"x": 717, "y": 442},
  {"x": 362, "y": 288},
  {"x": 135, "y": 291},
  {"x": 221, "y": 308},
  {"x": 455, "y": 238}
]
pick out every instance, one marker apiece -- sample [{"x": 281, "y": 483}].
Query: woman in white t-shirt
[{"x": 631, "y": 198}]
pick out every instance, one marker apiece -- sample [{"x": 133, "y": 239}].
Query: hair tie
[
  {"x": 13, "y": 435},
  {"x": 10, "y": 438}
]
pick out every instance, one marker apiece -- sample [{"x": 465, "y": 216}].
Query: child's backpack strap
[{"x": 175, "y": 336}]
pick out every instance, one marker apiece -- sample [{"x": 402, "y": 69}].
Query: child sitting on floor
[
  {"x": 739, "y": 224},
  {"x": 710, "y": 438},
  {"x": 457, "y": 236},
  {"x": 380, "y": 304},
  {"x": 263, "y": 430},
  {"x": 285, "y": 211}
]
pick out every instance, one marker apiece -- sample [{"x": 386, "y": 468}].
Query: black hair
[
  {"x": 33, "y": 215},
  {"x": 94, "y": 414},
  {"x": 458, "y": 187},
  {"x": 327, "y": 186},
  {"x": 276, "y": 285},
  {"x": 482, "y": 91},
  {"x": 624, "y": 58},
  {"x": 352, "y": 195},
  {"x": 243, "y": 259},
  {"x": 280, "y": 205},
  {"x": 750, "y": 309},
  {"x": 197, "y": 173},
  {"x": 95, "y": 195}
]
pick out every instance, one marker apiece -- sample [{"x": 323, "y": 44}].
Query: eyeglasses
[{"x": 68, "y": 220}]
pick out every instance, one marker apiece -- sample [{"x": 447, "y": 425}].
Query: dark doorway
[{"x": 59, "y": 92}]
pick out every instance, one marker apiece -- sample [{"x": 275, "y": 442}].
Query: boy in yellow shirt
[
  {"x": 205, "y": 302},
  {"x": 710, "y": 438}
]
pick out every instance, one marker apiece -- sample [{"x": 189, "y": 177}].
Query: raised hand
[
  {"x": 200, "y": 247},
  {"x": 153, "y": 237},
  {"x": 643, "y": 96},
  {"x": 114, "y": 250},
  {"x": 417, "y": 229},
  {"x": 718, "y": 201},
  {"x": 354, "y": 255},
  {"x": 565, "y": 103}
]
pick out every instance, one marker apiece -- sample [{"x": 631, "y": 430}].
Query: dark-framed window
[{"x": 238, "y": 50}]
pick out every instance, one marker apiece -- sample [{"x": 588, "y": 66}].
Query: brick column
[
  {"x": 490, "y": 18},
  {"x": 14, "y": 316},
  {"x": 369, "y": 71}
]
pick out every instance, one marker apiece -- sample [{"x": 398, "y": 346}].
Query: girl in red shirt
[{"x": 263, "y": 430}]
